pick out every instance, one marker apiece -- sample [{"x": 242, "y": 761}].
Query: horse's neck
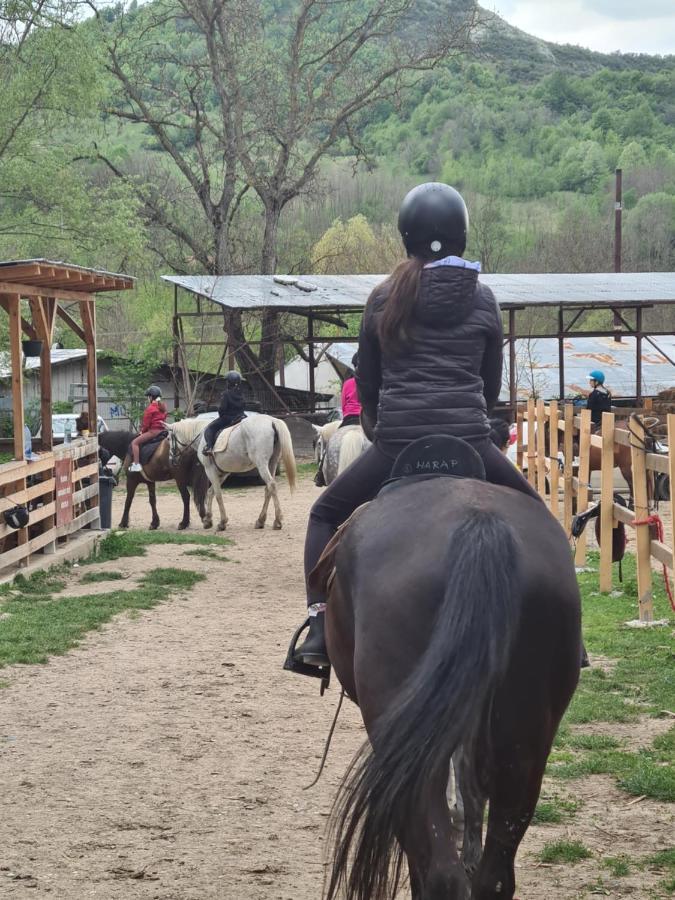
[{"x": 187, "y": 429}]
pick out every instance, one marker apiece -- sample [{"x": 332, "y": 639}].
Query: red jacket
[{"x": 154, "y": 417}]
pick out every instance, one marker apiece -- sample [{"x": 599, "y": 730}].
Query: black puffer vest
[{"x": 443, "y": 381}]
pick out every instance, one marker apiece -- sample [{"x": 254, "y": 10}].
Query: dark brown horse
[
  {"x": 454, "y": 622},
  {"x": 187, "y": 473}
]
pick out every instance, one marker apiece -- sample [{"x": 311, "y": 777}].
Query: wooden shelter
[{"x": 59, "y": 486}]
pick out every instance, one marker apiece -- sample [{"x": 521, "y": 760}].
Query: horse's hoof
[
  {"x": 207, "y": 523},
  {"x": 183, "y": 525},
  {"x": 221, "y": 526},
  {"x": 123, "y": 525},
  {"x": 154, "y": 526},
  {"x": 277, "y": 525},
  {"x": 259, "y": 524}
]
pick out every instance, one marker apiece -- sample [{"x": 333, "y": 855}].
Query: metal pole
[
  {"x": 618, "y": 209},
  {"x": 176, "y": 396},
  {"x": 638, "y": 356},
  {"x": 310, "y": 347},
  {"x": 513, "y": 399}
]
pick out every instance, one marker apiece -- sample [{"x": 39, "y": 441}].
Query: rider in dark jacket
[
  {"x": 599, "y": 398},
  {"x": 430, "y": 362},
  {"x": 230, "y": 411}
]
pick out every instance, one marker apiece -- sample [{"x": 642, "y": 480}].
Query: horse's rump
[{"x": 223, "y": 438}]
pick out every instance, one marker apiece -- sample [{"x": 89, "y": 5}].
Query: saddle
[
  {"x": 581, "y": 520},
  {"x": 434, "y": 456},
  {"x": 223, "y": 438},
  {"x": 148, "y": 450}
]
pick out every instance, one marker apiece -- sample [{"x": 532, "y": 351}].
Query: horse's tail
[
  {"x": 351, "y": 448},
  {"x": 200, "y": 485},
  {"x": 440, "y": 706},
  {"x": 287, "y": 455}
]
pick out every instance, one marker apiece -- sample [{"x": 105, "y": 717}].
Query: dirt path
[{"x": 165, "y": 758}]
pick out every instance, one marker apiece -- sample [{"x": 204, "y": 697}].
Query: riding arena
[{"x": 152, "y": 746}]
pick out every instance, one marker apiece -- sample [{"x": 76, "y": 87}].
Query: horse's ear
[{"x": 316, "y": 428}]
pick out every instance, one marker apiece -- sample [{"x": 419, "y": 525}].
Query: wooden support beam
[
  {"x": 70, "y": 322},
  {"x": 643, "y": 533},
  {"x": 671, "y": 461},
  {"x": 35, "y": 290},
  {"x": 606, "y": 501},
  {"x": 88, "y": 313},
  {"x": 553, "y": 447},
  {"x": 541, "y": 448},
  {"x": 14, "y": 308},
  {"x": 568, "y": 471},
  {"x": 531, "y": 446},
  {"x": 584, "y": 476}
]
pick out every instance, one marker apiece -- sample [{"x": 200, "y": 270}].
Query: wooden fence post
[
  {"x": 584, "y": 475},
  {"x": 541, "y": 448},
  {"x": 568, "y": 452},
  {"x": 553, "y": 444},
  {"x": 643, "y": 533},
  {"x": 519, "y": 436},
  {"x": 531, "y": 446},
  {"x": 606, "y": 501}
]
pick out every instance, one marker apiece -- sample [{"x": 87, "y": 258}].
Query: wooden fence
[
  {"x": 555, "y": 436},
  {"x": 61, "y": 491}
]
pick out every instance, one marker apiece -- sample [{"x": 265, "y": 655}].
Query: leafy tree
[
  {"x": 354, "y": 246},
  {"x": 129, "y": 378}
]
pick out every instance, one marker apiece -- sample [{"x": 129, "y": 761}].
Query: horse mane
[
  {"x": 116, "y": 442},
  {"x": 186, "y": 430}
]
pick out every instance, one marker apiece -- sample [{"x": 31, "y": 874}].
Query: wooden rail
[
  {"x": 55, "y": 514},
  {"x": 561, "y": 449}
]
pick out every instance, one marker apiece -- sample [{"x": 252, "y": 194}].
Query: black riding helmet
[
  {"x": 232, "y": 380},
  {"x": 433, "y": 221},
  {"x": 153, "y": 392}
]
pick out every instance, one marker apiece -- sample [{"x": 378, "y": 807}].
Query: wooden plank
[
  {"x": 584, "y": 475},
  {"x": 568, "y": 471},
  {"x": 596, "y": 441},
  {"x": 553, "y": 446},
  {"x": 623, "y": 514},
  {"x": 70, "y": 322},
  {"x": 643, "y": 536},
  {"x": 670, "y": 421},
  {"x": 519, "y": 438},
  {"x": 21, "y": 553},
  {"x": 88, "y": 315},
  {"x": 25, "y": 496},
  {"x": 40, "y": 314},
  {"x": 657, "y": 462},
  {"x": 662, "y": 554},
  {"x": 85, "y": 493},
  {"x": 87, "y": 517},
  {"x": 42, "y": 512},
  {"x": 89, "y": 471},
  {"x": 540, "y": 444},
  {"x": 15, "y": 471},
  {"x": 17, "y": 374},
  {"x": 606, "y": 501},
  {"x": 78, "y": 449},
  {"x": 531, "y": 447},
  {"x": 35, "y": 290}
]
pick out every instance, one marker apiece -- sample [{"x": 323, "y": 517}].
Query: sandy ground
[{"x": 165, "y": 758}]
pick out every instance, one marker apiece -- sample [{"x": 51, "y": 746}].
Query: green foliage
[
  {"x": 619, "y": 866},
  {"x": 553, "y": 812},
  {"x": 561, "y": 852},
  {"x": 62, "y": 407},
  {"x": 97, "y": 577},
  {"x": 129, "y": 378}
]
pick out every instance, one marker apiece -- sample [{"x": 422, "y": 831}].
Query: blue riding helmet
[{"x": 597, "y": 375}]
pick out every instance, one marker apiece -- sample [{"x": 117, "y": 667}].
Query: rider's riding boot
[
  {"x": 313, "y": 650},
  {"x": 319, "y": 478}
]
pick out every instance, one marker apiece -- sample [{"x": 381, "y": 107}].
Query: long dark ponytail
[{"x": 402, "y": 289}]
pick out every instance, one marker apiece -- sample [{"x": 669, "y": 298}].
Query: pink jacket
[{"x": 350, "y": 399}]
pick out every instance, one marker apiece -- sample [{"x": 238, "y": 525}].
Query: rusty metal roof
[{"x": 351, "y": 291}]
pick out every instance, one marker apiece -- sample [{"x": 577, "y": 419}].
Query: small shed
[{"x": 58, "y": 486}]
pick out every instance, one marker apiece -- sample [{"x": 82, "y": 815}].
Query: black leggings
[{"x": 362, "y": 481}]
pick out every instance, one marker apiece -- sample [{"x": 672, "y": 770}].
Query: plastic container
[{"x": 105, "y": 491}]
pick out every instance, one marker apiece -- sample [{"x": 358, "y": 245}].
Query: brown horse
[
  {"x": 622, "y": 454},
  {"x": 187, "y": 473},
  {"x": 453, "y": 620}
]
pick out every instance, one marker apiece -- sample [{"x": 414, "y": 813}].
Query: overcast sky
[{"x": 632, "y": 26}]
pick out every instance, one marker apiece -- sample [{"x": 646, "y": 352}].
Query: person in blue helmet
[{"x": 599, "y": 399}]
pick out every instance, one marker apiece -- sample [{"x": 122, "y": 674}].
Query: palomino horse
[
  {"x": 338, "y": 448},
  {"x": 257, "y": 442},
  {"x": 186, "y": 471},
  {"x": 453, "y": 620}
]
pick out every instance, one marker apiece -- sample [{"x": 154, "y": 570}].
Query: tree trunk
[{"x": 268, "y": 262}]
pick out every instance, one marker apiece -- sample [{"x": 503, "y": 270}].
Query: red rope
[{"x": 656, "y": 520}]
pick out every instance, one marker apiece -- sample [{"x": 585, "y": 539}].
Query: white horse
[
  {"x": 258, "y": 442},
  {"x": 337, "y": 448}
]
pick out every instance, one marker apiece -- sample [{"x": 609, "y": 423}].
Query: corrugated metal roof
[
  {"x": 59, "y": 357},
  {"x": 352, "y": 291},
  {"x": 537, "y": 366}
]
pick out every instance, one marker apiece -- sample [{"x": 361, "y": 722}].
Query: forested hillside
[{"x": 160, "y": 137}]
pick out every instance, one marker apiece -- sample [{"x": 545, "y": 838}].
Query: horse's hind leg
[
  {"x": 265, "y": 470},
  {"x": 217, "y": 490},
  {"x": 132, "y": 484},
  {"x": 185, "y": 497},
  {"x": 152, "y": 497}
]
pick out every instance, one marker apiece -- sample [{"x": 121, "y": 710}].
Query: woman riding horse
[{"x": 430, "y": 362}]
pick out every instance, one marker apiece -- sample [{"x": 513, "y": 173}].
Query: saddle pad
[
  {"x": 148, "y": 450},
  {"x": 223, "y": 438}
]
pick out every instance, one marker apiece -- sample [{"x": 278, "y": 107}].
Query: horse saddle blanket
[
  {"x": 148, "y": 450},
  {"x": 223, "y": 439}
]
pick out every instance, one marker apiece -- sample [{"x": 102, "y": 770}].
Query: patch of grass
[
  {"x": 96, "y": 577},
  {"x": 619, "y": 866},
  {"x": 651, "y": 777},
  {"x": 205, "y": 553},
  {"x": 665, "y": 741},
  {"x": 41, "y": 582},
  {"x": 593, "y": 742},
  {"x": 554, "y": 811},
  {"x": 664, "y": 859},
  {"x": 306, "y": 468},
  {"x": 36, "y": 630},
  {"x": 119, "y": 544},
  {"x": 558, "y": 852}
]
